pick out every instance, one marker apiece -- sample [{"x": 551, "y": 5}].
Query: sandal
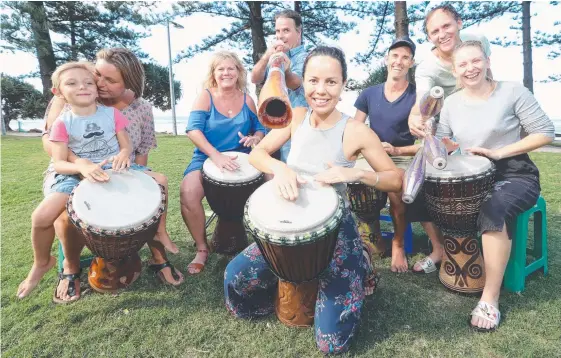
[
  {"x": 427, "y": 266},
  {"x": 71, "y": 291},
  {"x": 372, "y": 279},
  {"x": 197, "y": 266},
  {"x": 157, "y": 269},
  {"x": 488, "y": 312}
]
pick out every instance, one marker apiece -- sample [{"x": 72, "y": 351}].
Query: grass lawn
[{"x": 409, "y": 316}]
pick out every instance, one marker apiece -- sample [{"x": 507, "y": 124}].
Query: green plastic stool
[
  {"x": 516, "y": 269},
  {"x": 84, "y": 262}
]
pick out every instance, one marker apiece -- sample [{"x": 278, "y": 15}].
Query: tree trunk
[
  {"x": 401, "y": 24},
  {"x": 43, "y": 44},
  {"x": 527, "y": 46},
  {"x": 73, "y": 53},
  {"x": 401, "y": 20},
  {"x": 257, "y": 34},
  {"x": 298, "y": 9}
]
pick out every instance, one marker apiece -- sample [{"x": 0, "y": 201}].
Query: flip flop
[
  {"x": 71, "y": 290},
  {"x": 198, "y": 266},
  {"x": 427, "y": 266},
  {"x": 488, "y": 312},
  {"x": 157, "y": 269}
]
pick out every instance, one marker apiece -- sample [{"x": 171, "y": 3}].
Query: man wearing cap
[{"x": 387, "y": 106}]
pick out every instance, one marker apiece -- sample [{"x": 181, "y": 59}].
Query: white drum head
[
  {"x": 460, "y": 166},
  {"x": 270, "y": 213},
  {"x": 126, "y": 201},
  {"x": 245, "y": 173}
]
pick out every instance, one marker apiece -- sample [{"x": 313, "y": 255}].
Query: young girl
[
  {"x": 486, "y": 118},
  {"x": 95, "y": 136}
]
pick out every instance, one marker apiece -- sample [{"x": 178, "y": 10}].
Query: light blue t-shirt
[{"x": 91, "y": 137}]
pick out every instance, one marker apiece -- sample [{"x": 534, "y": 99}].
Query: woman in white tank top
[{"x": 325, "y": 144}]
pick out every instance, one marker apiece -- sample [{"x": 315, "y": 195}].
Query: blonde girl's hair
[
  {"x": 220, "y": 56},
  {"x": 84, "y": 65},
  {"x": 471, "y": 43},
  {"x": 129, "y": 65}
]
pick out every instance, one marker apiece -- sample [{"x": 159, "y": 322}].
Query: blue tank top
[{"x": 222, "y": 131}]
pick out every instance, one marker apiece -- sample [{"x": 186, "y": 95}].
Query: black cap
[{"x": 403, "y": 41}]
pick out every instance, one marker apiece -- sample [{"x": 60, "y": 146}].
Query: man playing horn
[{"x": 288, "y": 44}]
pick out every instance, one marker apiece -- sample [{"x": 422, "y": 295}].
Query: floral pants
[{"x": 250, "y": 288}]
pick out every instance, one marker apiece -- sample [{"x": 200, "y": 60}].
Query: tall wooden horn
[{"x": 274, "y": 110}]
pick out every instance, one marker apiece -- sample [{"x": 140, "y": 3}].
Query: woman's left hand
[
  {"x": 489, "y": 153},
  {"x": 248, "y": 140},
  {"x": 336, "y": 174}
]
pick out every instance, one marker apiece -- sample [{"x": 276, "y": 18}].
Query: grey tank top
[{"x": 313, "y": 148}]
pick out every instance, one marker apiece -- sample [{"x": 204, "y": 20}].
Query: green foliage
[
  {"x": 82, "y": 28},
  {"x": 156, "y": 89},
  {"x": 321, "y": 19},
  {"x": 20, "y": 100},
  {"x": 381, "y": 14}
]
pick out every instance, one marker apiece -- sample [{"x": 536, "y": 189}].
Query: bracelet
[{"x": 377, "y": 179}]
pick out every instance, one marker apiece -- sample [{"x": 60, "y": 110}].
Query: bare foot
[
  {"x": 35, "y": 275},
  {"x": 170, "y": 246},
  {"x": 399, "y": 261},
  {"x": 166, "y": 275},
  {"x": 198, "y": 263}
]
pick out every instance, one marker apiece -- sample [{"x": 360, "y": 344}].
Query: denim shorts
[{"x": 63, "y": 183}]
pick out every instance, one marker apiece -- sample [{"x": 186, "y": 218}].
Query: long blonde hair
[
  {"x": 471, "y": 43},
  {"x": 129, "y": 65},
  {"x": 210, "y": 81}
]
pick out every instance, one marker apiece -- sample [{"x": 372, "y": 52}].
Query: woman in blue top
[{"x": 222, "y": 119}]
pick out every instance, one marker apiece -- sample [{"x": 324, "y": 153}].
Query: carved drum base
[
  {"x": 295, "y": 303},
  {"x": 462, "y": 269},
  {"x": 109, "y": 276}
]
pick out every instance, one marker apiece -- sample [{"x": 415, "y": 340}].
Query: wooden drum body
[
  {"x": 116, "y": 219},
  {"x": 226, "y": 193},
  {"x": 454, "y": 197},
  {"x": 297, "y": 240}
]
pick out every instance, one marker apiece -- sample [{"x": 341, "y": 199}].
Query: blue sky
[{"x": 506, "y": 63}]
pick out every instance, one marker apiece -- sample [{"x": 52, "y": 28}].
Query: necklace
[{"x": 229, "y": 113}]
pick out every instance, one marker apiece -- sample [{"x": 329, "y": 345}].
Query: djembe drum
[
  {"x": 366, "y": 203},
  {"x": 116, "y": 219},
  {"x": 454, "y": 197},
  {"x": 226, "y": 193},
  {"x": 297, "y": 240}
]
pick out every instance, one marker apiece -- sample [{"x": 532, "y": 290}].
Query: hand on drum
[
  {"x": 121, "y": 161},
  {"x": 248, "y": 140},
  {"x": 489, "y": 153},
  {"x": 286, "y": 181},
  {"x": 223, "y": 161},
  {"x": 337, "y": 174},
  {"x": 94, "y": 172},
  {"x": 450, "y": 144}
]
